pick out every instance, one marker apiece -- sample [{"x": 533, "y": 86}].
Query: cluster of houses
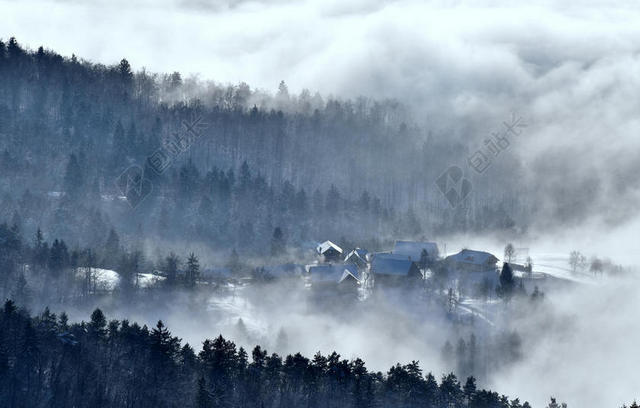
[{"x": 407, "y": 264}]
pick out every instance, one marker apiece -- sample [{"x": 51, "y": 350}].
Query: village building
[
  {"x": 358, "y": 257},
  {"x": 333, "y": 278},
  {"x": 393, "y": 270},
  {"x": 416, "y": 250},
  {"x": 469, "y": 260},
  {"x": 329, "y": 252}
]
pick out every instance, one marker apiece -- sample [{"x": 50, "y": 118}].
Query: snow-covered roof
[
  {"x": 326, "y": 245},
  {"x": 391, "y": 264},
  {"x": 414, "y": 249},
  {"x": 469, "y": 256},
  {"x": 332, "y": 273},
  {"x": 359, "y": 253}
]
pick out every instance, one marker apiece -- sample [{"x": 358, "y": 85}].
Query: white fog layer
[{"x": 329, "y": 127}]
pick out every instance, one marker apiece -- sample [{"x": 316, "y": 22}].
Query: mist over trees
[
  {"x": 46, "y": 361},
  {"x": 298, "y": 164},
  {"x": 269, "y": 177}
]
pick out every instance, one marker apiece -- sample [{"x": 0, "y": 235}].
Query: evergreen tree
[
  {"x": 203, "y": 397},
  {"x": 97, "y": 325},
  {"x": 171, "y": 268},
  {"x": 507, "y": 282},
  {"x": 193, "y": 270}
]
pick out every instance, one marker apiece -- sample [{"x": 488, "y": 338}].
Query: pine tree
[
  {"x": 97, "y": 325},
  {"x": 507, "y": 282},
  {"x": 203, "y": 396},
  {"x": 193, "y": 270},
  {"x": 171, "y": 268},
  {"x": 469, "y": 388}
]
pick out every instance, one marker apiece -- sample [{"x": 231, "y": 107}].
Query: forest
[
  {"x": 127, "y": 194},
  {"x": 47, "y": 361},
  {"x": 356, "y": 169}
]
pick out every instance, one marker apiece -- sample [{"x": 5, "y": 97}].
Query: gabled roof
[
  {"x": 326, "y": 245},
  {"x": 391, "y": 264},
  {"x": 472, "y": 257},
  {"x": 414, "y": 249},
  {"x": 358, "y": 253},
  {"x": 332, "y": 273}
]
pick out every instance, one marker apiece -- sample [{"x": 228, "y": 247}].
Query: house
[
  {"x": 469, "y": 260},
  {"x": 341, "y": 277},
  {"x": 393, "y": 269},
  {"x": 358, "y": 257},
  {"x": 329, "y": 251},
  {"x": 414, "y": 250}
]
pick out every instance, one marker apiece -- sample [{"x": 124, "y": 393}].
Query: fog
[
  {"x": 571, "y": 70},
  {"x": 583, "y": 350},
  {"x": 578, "y": 346}
]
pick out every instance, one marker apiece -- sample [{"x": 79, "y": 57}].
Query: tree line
[
  {"x": 47, "y": 361},
  {"x": 312, "y": 167}
]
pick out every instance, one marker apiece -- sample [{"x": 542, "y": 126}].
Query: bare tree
[{"x": 509, "y": 252}]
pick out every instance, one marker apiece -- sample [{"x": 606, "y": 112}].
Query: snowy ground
[
  {"x": 557, "y": 265},
  {"x": 107, "y": 279}
]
